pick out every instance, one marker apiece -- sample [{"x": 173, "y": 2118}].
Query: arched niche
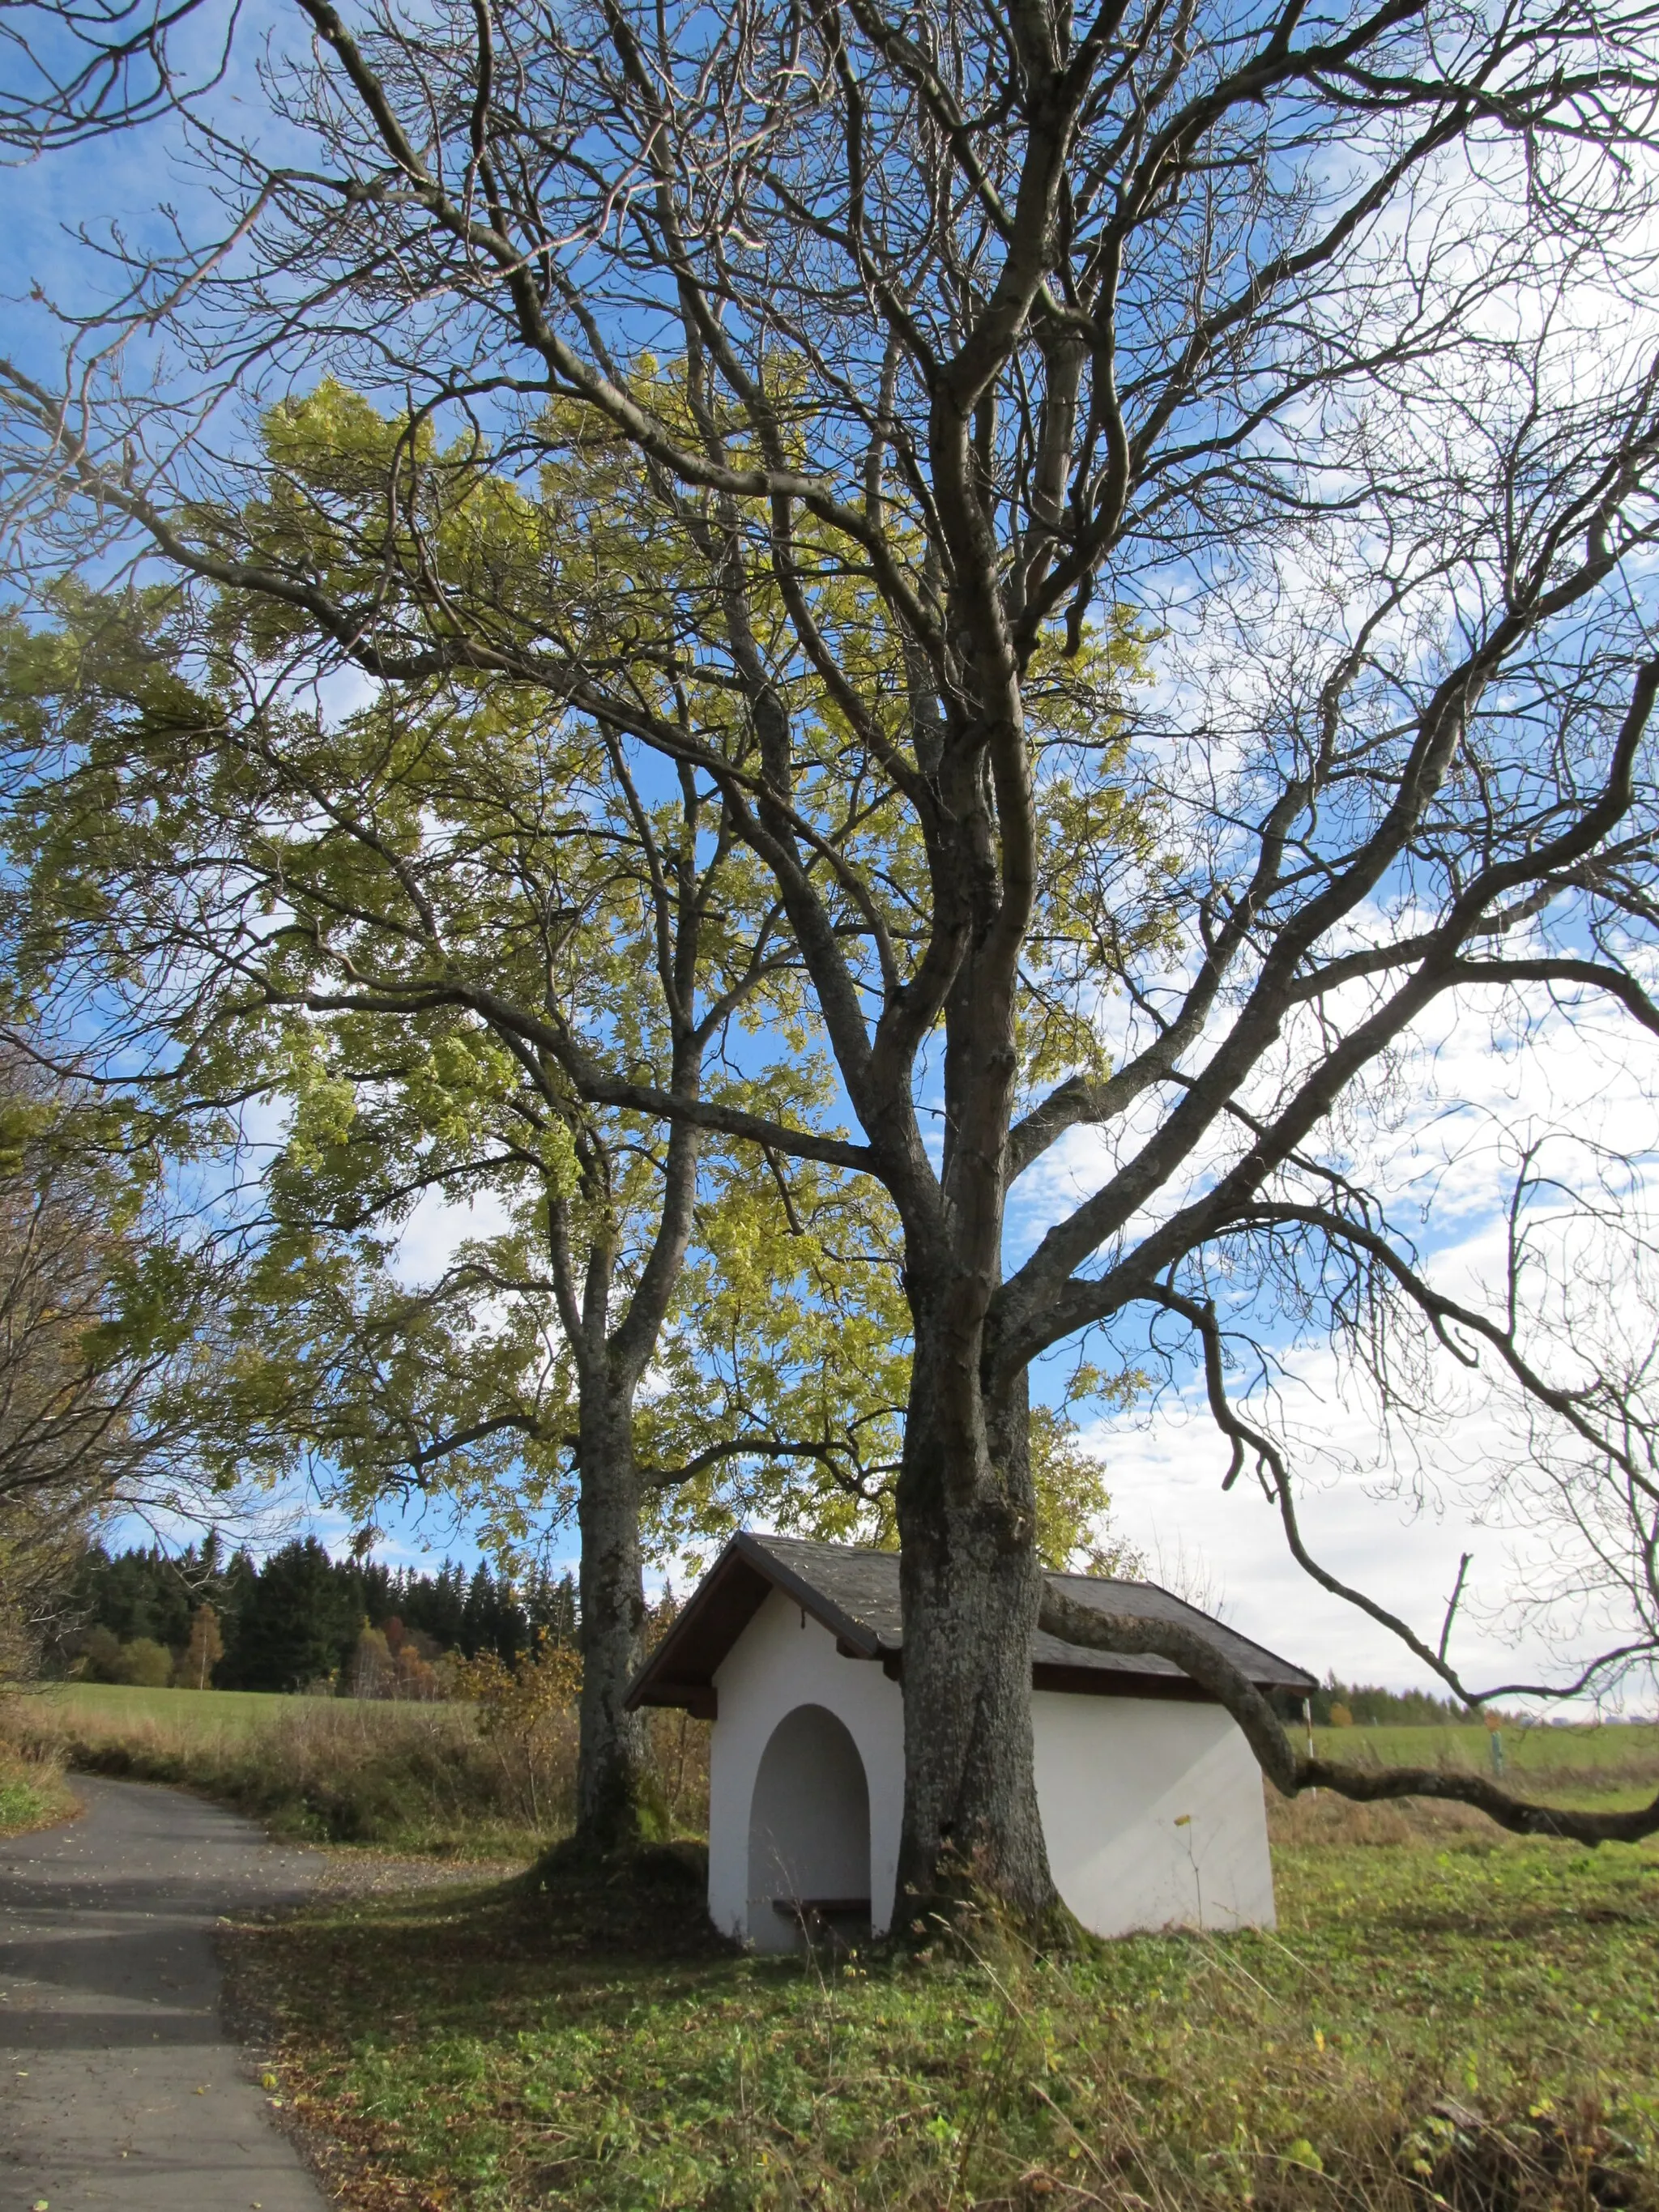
[{"x": 808, "y": 1832}]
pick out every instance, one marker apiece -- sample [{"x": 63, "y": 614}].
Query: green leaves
[{"x": 372, "y": 955}]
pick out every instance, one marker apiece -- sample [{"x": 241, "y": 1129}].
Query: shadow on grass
[{"x": 566, "y": 1937}]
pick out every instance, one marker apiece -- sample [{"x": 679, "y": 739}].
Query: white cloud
[
  {"x": 1388, "y": 1526},
  {"x": 438, "y": 1226},
  {"x": 1391, "y": 1508}
]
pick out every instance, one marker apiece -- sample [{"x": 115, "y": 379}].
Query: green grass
[
  {"x": 1444, "y": 2020},
  {"x": 1612, "y": 1767},
  {"x": 23, "y": 1805},
  {"x": 112, "y": 1708},
  {"x": 1582, "y": 1752},
  {"x": 411, "y": 1778},
  {"x": 32, "y": 1794}
]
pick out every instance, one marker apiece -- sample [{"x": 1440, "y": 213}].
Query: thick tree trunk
[
  {"x": 611, "y": 1769},
  {"x": 972, "y": 1585}
]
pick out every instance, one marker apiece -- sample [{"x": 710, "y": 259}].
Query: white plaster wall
[
  {"x": 776, "y": 1664},
  {"x": 1154, "y": 1812}
]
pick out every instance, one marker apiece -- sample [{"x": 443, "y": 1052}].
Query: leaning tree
[{"x": 944, "y": 344}]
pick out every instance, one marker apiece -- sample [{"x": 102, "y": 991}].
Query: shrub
[
  {"x": 144, "y": 1664},
  {"x": 100, "y": 1654},
  {"x": 528, "y": 1714},
  {"x": 32, "y": 1791}
]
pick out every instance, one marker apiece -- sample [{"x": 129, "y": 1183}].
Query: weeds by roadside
[
  {"x": 418, "y": 1778},
  {"x": 33, "y": 1791}
]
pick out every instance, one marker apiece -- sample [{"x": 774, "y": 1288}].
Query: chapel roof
[{"x": 854, "y": 1592}]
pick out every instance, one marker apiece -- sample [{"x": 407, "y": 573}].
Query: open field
[
  {"x": 436, "y": 1778},
  {"x": 1551, "y": 1759},
  {"x": 430, "y": 1778},
  {"x": 1595, "y": 1756},
  {"x": 1441, "y": 2021},
  {"x": 413, "y": 1777},
  {"x": 112, "y": 1708}
]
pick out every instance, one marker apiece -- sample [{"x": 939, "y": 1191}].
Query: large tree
[
  {"x": 353, "y": 922},
  {"x": 927, "y": 344},
  {"x": 371, "y": 924}
]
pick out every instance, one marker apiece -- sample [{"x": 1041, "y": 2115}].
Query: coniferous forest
[
  {"x": 295, "y": 1622},
  {"x": 295, "y": 1619}
]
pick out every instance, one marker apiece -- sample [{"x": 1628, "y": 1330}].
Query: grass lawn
[{"x": 1445, "y": 2019}]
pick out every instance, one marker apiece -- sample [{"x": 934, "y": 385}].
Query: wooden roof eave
[{"x": 724, "y": 1603}]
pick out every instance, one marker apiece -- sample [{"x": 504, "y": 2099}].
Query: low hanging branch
[{"x": 1290, "y": 1770}]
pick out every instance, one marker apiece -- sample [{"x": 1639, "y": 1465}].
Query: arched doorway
[{"x": 809, "y": 1830}]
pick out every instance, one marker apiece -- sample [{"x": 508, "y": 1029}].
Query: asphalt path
[{"x": 118, "y": 2083}]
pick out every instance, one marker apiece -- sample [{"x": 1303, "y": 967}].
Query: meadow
[
  {"x": 1597, "y": 1756},
  {"x": 407, "y": 1777},
  {"x": 113, "y": 1709},
  {"x": 1443, "y": 2018},
  {"x": 185, "y": 1725}
]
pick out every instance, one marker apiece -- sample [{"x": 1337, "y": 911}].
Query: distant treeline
[
  {"x": 1341, "y": 1704},
  {"x": 295, "y": 1619}
]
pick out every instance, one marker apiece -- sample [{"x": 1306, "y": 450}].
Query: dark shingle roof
[{"x": 854, "y": 1594}]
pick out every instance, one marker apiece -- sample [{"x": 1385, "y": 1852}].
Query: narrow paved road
[{"x": 118, "y": 2083}]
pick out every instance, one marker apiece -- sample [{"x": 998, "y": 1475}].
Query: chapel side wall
[
  {"x": 1114, "y": 1775},
  {"x": 776, "y": 1665}
]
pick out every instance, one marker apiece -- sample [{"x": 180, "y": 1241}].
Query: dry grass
[
  {"x": 1556, "y": 1767},
  {"x": 1593, "y": 1755},
  {"x": 425, "y": 1779},
  {"x": 1320, "y": 1817},
  {"x": 418, "y": 1778}
]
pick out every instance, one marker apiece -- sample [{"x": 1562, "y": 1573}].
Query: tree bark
[
  {"x": 611, "y": 1769},
  {"x": 971, "y": 1583}
]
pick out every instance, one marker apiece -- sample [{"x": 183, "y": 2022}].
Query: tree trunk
[
  {"x": 610, "y": 1768},
  {"x": 972, "y": 1584}
]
